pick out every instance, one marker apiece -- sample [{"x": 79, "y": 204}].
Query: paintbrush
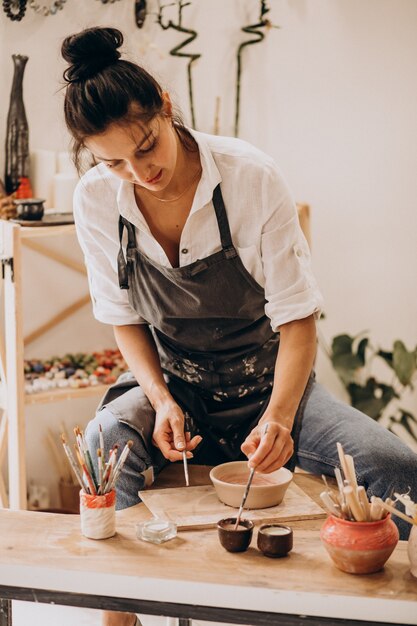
[
  {"x": 245, "y": 495},
  {"x": 248, "y": 484},
  {"x": 184, "y": 460},
  {"x": 184, "y": 452}
]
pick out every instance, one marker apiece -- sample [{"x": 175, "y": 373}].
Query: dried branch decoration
[
  {"x": 176, "y": 51},
  {"x": 252, "y": 29}
]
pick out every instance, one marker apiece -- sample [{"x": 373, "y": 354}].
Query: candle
[
  {"x": 42, "y": 171},
  {"x": 65, "y": 164},
  {"x": 64, "y": 186}
]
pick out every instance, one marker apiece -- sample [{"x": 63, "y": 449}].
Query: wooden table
[{"x": 44, "y": 558}]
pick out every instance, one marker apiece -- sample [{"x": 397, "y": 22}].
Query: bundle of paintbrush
[
  {"x": 350, "y": 502},
  {"x": 92, "y": 482}
]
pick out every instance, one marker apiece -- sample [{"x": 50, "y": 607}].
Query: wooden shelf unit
[
  {"x": 58, "y": 395},
  {"x": 12, "y": 421}
]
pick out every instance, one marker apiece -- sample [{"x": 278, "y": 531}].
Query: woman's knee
[{"x": 113, "y": 432}]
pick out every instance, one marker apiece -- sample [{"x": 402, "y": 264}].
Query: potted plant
[{"x": 361, "y": 368}]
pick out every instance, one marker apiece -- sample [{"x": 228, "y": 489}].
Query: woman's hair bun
[{"x": 90, "y": 51}]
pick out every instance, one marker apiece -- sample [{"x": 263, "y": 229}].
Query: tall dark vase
[{"x": 17, "y": 136}]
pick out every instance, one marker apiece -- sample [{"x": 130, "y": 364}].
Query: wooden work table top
[{"x": 47, "y": 551}]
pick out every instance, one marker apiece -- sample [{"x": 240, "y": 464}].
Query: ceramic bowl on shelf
[
  {"x": 229, "y": 480},
  {"x": 30, "y": 209}
]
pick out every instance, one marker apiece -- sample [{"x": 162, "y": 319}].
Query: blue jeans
[{"x": 383, "y": 462}]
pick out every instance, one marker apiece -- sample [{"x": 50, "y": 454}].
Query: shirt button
[
  {"x": 298, "y": 252},
  {"x": 184, "y": 250}
]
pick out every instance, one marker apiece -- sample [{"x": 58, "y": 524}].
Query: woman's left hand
[{"x": 268, "y": 446}]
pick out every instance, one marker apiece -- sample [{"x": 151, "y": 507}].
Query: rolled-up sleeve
[
  {"x": 291, "y": 291},
  {"x": 97, "y": 232}
]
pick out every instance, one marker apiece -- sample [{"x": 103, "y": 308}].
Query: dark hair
[{"x": 103, "y": 89}]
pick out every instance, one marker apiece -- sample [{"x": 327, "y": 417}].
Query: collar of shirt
[{"x": 209, "y": 180}]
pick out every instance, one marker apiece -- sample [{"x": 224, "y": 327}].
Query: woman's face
[{"x": 142, "y": 153}]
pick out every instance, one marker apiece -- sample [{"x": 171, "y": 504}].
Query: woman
[{"x": 195, "y": 256}]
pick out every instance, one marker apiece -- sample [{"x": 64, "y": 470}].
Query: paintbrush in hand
[
  {"x": 184, "y": 452},
  {"x": 248, "y": 484},
  {"x": 245, "y": 495}
]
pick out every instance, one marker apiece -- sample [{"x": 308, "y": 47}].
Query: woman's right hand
[{"x": 168, "y": 434}]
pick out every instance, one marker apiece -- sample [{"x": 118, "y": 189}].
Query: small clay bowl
[
  {"x": 235, "y": 540},
  {"x": 30, "y": 209},
  {"x": 230, "y": 479},
  {"x": 275, "y": 540}
]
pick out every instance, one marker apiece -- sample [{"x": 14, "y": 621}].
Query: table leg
[{"x": 5, "y": 612}]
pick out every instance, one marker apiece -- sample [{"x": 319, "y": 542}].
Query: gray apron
[{"x": 215, "y": 343}]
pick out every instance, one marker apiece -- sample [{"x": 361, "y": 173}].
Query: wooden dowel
[
  {"x": 342, "y": 460},
  {"x": 376, "y": 510},
  {"x": 351, "y": 471},
  {"x": 354, "y": 504},
  {"x": 364, "y": 502},
  {"x": 329, "y": 505},
  {"x": 395, "y": 511}
]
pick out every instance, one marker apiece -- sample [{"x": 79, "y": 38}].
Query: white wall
[{"x": 331, "y": 95}]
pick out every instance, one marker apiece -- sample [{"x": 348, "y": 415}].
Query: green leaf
[
  {"x": 372, "y": 398},
  {"x": 387, "y": 356},
  {"x": 362, "y": 349},
  {"x": 404, "y": 420},
  {"x": 342, "y": 344},
  {"x": 404, "y": 363},
  {"x": 346, "y": 366}
]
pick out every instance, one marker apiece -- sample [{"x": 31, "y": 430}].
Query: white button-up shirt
[{"x": 263, "y": 223}]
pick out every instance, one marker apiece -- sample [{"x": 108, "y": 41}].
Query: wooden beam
[
  {"x": 13, "y": 324},
  {"x": 31, "y": 232},
  {"x": 57, "y": 319},
  {"x": 4, "y": 499},
  {"x": 66, "y": 393},
  {"x": 55, "y": 256}
]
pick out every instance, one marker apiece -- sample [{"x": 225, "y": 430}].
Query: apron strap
[
  {"x": 223, "y": 222},
  {"x": 122, "y": 265}
]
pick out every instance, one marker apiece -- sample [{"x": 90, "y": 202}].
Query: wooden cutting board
[{"x": 199, "y": 507}]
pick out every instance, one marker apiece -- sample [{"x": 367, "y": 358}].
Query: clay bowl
[
  {"x": 275, "y": 540},
  {"x": 235, "y": 540},
  {"x": 229, "y": 480}
]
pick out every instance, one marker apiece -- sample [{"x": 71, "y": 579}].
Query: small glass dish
[{"x": 156, "y": 530}]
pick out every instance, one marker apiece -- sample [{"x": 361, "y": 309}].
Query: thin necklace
[{"x": 181, "y": 194}]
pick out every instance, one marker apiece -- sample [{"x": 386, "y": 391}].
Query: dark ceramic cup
[
  {"x": 29, "y": 209},
  {"x": 235, "y": 540},
  {"x": 275, "y": 540}
]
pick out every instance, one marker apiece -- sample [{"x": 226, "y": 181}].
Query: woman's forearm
[
  {"x": 294, "y": 363},
  {"x": 138, "y": 348}
]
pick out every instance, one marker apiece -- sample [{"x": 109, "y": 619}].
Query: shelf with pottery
[
  {"x": 13, "y": 238},
  {"x": 58, "y": 395}
]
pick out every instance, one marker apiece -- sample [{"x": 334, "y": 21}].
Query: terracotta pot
[{"x": 359, "y": 547}]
